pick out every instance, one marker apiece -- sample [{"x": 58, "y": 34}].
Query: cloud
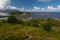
[
  {"x": 3, "y": 6},
  {"x": 44, "y": 0},
  {"x": 50, "y": 7},
  {"x": 58, "y": 6},
  {"x": 4, "y": 3},
  {"x": 12, "y": 7},
  {"x": 36, "y": 9},
  {"x": 47, "y": 9},
  {"x": 54, "y": 9},
  {"x": 16, "y": 8}
]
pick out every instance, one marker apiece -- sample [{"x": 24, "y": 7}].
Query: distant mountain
[
  {"x": 5, "y": 12},
  {"x": 9, "y": 10}
]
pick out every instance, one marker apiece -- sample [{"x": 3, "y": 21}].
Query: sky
[{"x": 31, "y": 5}]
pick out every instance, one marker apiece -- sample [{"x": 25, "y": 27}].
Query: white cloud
[
  {"x": 36, "y": 9},
  {"x": 47, "y": 9},
  {"x": 39, "y": 9},
  {"x": 12, "y": 7},
  {"x": 50, "y": 7},
  {"x": 16, "y": 8},
  {"x": 4, "y": 3},
  {"x": 58, "y": 6},
  {"x": 45, "y": 0},
  {"x": 3, "y": 6},
  {"x": 54, "y": 9},
  {"x": 22, "y": 9}
]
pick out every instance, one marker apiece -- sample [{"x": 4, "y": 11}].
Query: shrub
[
  {"x": 35, "y": 23},
  {"x": 20, "y": 21},
  {"x": 26, "y": 23},
  {"x": 12, "y": 19},
  {"x": 47, "y": 27}
]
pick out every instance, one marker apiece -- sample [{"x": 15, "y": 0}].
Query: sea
[
  {"x": 42, "y": 15},
  {"x": 39, "y": 15}
]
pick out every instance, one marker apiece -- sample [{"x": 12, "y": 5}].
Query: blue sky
[{"x": 32, "y": 5}]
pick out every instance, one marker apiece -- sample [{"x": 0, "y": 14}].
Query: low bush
[
  {"x": 47, "y": 26},
  {"x": 12, "y": 19}
]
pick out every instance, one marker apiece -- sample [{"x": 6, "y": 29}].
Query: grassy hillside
[{"x": 23, "y": 31}]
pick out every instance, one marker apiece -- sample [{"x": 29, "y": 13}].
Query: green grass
[{"x": 20, "y": 32}]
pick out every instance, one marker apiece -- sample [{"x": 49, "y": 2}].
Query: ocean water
[
  {"x": 36, "y": 15},
  {"x": 42, "y": 15}
]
